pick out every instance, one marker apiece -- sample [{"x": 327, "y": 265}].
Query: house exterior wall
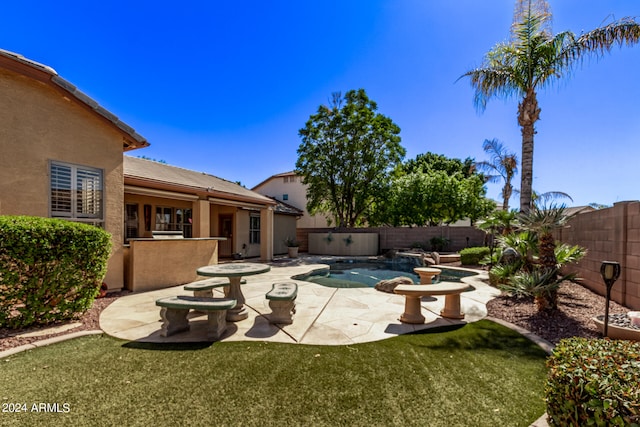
[
  {"x": 156, "y": 263},
  {"x": 40, "y": 125},
  {"x": 611, "y": 234},
  {"x": 296, "y": 192},
  {"x": 285, "y": 227}
]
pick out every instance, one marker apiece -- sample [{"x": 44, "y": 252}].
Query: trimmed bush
[
  {"x": 473, "y": 256},
  {"x": 50, "y": 269},
  {"x": 594, "y": 382}
]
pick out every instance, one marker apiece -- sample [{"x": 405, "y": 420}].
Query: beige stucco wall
[
  {"x": 297, "y": 196},
  {"x": 350, "y": 244},
  {"x": 157, "y": 263},
  {"x": 39, "y": 125},
  {"x": 284, "y": 227}
]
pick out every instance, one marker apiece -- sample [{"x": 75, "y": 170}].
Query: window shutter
[
  {"x": 89, "y": 193},
  {"x": 60, "y": 190}
]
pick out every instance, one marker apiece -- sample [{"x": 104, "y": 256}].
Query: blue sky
[{"x": 224, "y": 86}]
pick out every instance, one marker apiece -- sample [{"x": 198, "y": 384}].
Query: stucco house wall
[
  {"x": 288, "y": 187},
  {"x": 218, "y": 208},
  {"x": 42, "y": 123}
]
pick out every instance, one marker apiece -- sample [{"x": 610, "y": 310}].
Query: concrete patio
[{"x": 324, "y": 316}]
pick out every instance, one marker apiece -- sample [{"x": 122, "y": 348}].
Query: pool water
[{"x": 363, "y": 275}]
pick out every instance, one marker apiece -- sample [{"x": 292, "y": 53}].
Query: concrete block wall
[{"x": 611, "y": 234}]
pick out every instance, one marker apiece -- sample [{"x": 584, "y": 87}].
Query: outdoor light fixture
[{"x": 610, "y": 272}]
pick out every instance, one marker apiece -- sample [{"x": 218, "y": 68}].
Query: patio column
[
  {"x": 201, "y": 218},
  {"x": 266, "y": 234}
]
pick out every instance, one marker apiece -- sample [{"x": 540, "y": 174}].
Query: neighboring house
[
  {"x": 288, "y": 187},
  {"x": 61, "y": 153},
  {"x": 575, "y": 210},
  {"x": 161, "y": 197},
  {"x": 62, "y": 157}
]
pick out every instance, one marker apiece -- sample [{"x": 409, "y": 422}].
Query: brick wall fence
[
  {"x": 405, "y": 237},
  {"x": 611, "y": 234}
]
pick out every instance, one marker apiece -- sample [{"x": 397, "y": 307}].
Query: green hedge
[
  {"x": 594, "y": 382},
  {"x": 50, "y": 269},
  {"x": 473, "y": 256}
]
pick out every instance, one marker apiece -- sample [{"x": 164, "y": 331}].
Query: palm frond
[
  {"x": 544, "y": 220},
  {"x": 535, "y": 283},
  {"x": 602, "y": 39}
]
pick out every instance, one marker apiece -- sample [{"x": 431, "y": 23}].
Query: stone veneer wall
[{"x": 611, "y": 234}]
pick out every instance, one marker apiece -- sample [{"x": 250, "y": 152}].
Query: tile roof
[
  {"x": 285, "y": 208},
  {"x": 49, "y": 75},
  {"x": 189, "y": 180}
]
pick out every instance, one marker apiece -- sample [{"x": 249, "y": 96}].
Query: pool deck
[{"x": 324, "y": 316}]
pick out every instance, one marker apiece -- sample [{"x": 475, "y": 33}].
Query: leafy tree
[
  {"x": 437, "y": 162},
  {"x": 502, "y": 165},
  {"x": 347, "y": 154},
  {"x": 533, "y": 59},
  {"x": 433, "y": 197}
]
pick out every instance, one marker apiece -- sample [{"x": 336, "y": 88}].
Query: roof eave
[{"x": 19, "y": 64}]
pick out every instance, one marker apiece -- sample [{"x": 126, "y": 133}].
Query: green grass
[{"x": 481, "y": 374}]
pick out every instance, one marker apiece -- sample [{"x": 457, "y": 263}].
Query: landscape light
[{"x": 610, "y": 271}]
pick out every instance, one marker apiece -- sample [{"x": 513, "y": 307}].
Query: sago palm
[
  {"x": 543, "y": 222},
  {"x": 533, "y": 59}
]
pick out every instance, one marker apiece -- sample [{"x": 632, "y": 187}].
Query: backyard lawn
[{"x": 481, "y": 374}]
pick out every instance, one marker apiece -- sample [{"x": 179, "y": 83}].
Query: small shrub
[
  {"x": 50, "y": 269},
  {"x": 291, "y": 242},
  {"x": 438, "y": 243},
  {"x": 473, "y": 256},
  {"x": 418, "y": 245},
  {"x": 594, "y": 382},
  {"x": 501, "y": 274}
]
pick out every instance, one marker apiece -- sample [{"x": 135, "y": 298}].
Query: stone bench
[
  {"x": 174, "y": 313},
  {"x": 282, "y": 301},
  {"x": 413, "y": 293},
  {"x": 204, "y": 288}
]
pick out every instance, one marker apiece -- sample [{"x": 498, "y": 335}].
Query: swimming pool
[{"x": 367, "y": 274}]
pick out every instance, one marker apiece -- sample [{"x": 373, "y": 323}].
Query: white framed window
[
  {"x": 254, "y": 228},
  {"x": 76, "y": 192}
]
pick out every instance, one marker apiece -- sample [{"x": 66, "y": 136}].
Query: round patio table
[{"x": 234, "y": 273}]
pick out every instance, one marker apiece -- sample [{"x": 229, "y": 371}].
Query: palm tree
[
  {"x": 503, "y": 164},
  {"x": 541, "y": 200},
  {"x": 533, "y": 59}
]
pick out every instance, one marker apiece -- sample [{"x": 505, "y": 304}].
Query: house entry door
[{"x": 225, "y": 230}]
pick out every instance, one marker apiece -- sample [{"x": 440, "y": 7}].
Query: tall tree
[
  {"x": 347, "y": 154},
  {"x": 433, "y": 189},
  {"x": 502, "y": 165},
  {"x": 429, "y": 162},
  {"x": 533, "y": 59}
]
